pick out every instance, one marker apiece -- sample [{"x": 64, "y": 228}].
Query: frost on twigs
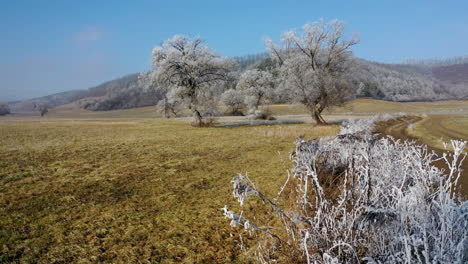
[
  {"x": 359, "y": 198},
  {"x": 243, "y": 188},
  {"x": 365, "y": 126}
]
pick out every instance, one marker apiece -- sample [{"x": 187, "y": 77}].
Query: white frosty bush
[
  {"x": 260, "y": 114},
  {"x": 365, "y": 125},
  {"x": 233, "y": 100},
  {"x": 358, "y": 198}
]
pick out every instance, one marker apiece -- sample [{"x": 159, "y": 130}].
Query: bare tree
[
  {"x": 42, "y": 107},
  {"x": 190, "y": 70},
  {"x": 314, "y": 65},
  {"x": 258, "y": 87}
]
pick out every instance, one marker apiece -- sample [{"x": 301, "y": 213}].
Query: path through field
[{"x": 398, "y": 128}]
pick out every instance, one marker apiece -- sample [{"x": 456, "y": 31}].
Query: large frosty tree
[
  {"x": 313, "y": 65},
  {"x": 189, "y": 70}
]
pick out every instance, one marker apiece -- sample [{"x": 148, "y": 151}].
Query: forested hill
[
  {"x": 121, "y": 93},
  {"x": 424, "y": 80},
  {"x": 412, "y": 82}
]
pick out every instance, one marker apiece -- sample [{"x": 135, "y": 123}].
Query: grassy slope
[{"x": 130, "y": 191}]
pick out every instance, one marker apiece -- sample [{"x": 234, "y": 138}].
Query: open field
[
  {"x": 358, "y": 107},
  {"x": 434, "y": 130},
  {"x": 366, "y": 106},
  {"x": 423, "y": 130},
  {"x": 123, "y": 187},
  {"x": 130, "y": 191}
]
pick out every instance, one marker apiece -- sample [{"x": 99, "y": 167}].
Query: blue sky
[{"x": 52, "y": 46}]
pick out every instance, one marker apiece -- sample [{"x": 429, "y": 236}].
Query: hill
[
  {"x": 402, "y": 82},
  {"x": 420, "y": 81},
  {"x": 121, "y": 93},
  {"x": 454, "y": 74}
]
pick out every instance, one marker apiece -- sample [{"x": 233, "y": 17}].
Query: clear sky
[{"x": 52, "y": 46}]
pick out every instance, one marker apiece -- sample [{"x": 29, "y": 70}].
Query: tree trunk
[
  {"x": 197, "y": 118},
  {"x": 257, "y": 104},
  {"x": 166, "y": 108},
  {"x": 173, "y": 111},
  {"x": 317, "y": 116}
]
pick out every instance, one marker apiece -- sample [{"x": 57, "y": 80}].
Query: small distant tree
[
  {"x": 257, "y": 86},
  {"x": 170, "y": 104},
  {"x": 233, "y": 100},
  {"x": 4, "y": 109},
  {"x": 189, "y": 69},
  {"x": 42, "y": 108},
  {"x": 314, "y": 65}
]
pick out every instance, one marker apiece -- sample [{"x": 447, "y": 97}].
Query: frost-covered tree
[
  {"x": 4, "y": 109},
  {"x": 42, "y": 108},
  {"x": 147, "y": 81},
  {"x": 169, "y": 105},
  {"x": 190, "y": 71},
  {"x": 314, "y": 65},
  {"x": 233, "y": 100},
  {"x": 257, "y": 86}
]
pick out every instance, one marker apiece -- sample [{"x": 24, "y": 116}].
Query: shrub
[
  {"x": 4, "y": 109},
  {"x": 261, "y": 115},
  {"x": 359, "y": 198},
  {"x": 234, "y": 101}
]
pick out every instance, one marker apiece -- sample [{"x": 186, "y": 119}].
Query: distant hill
[
  {"x": 438, "y": 62},
  {"x": 452, "y": 74},
  {"x": 412, "y": 82},
  {"x": 423, "y": 80},
  {"x": 121, "y": 93},
  {"x": 52, "y": 100}
]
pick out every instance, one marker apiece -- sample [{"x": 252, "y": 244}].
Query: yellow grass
[
  {"x": 131, "y": 191},
  {"x": 434, "y": 130},
  {"x": 123, "y": 187},
  {"x": 372, "y": 106},
  {"x": 359, "y": 107},
  {"x": 366, "y": 106}
]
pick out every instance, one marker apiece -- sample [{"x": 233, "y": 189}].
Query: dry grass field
[
  {"x": 434, "y": 130},
  {"x": 366, "y": 106},
  {"x": 130, "y": 191},
  {"x": 358, "y": 107},
  {"x": 126, "y": 187}
]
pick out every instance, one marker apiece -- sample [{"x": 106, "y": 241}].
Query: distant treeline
[{"x": 438, "y": 62}]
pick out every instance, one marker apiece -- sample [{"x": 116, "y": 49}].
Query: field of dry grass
[
  {"x": 359, "y": 107},
  {"x": 434, "y": 130},
  {"x": 123, "y": 187},
  {"x": 130, "y": 191},
  {"x": 366, "y": 106}
]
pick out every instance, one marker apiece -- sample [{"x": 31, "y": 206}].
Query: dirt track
[{"x": 397, "y": 129}]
